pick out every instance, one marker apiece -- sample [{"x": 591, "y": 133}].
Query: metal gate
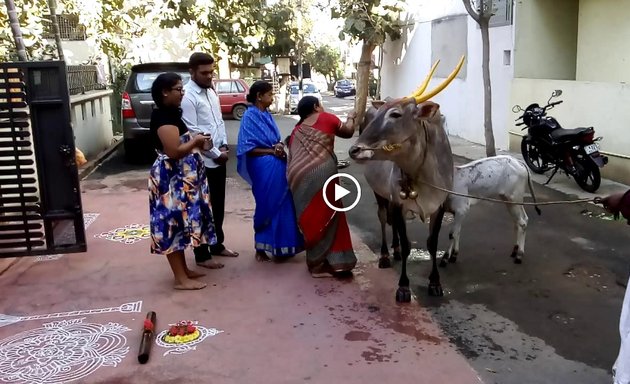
[{"x": 40, "y": 199}]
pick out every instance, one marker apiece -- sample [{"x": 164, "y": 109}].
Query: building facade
[{"x": 536, "y": 46}]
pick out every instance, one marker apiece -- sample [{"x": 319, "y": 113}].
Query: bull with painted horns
[{"x": 409, "y": 133}]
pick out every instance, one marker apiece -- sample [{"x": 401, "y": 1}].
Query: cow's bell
[
  {"x": 403, "y": 195},
  {"x": 413, "y": 195}
]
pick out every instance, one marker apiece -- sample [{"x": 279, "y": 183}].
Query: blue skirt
[{"x": 179, "y": 204}]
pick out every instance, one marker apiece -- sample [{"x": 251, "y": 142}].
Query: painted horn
[
  {"x": 425, "y": 83},
  {"x": 422, "y": 98}
]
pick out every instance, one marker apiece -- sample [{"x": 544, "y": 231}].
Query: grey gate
[{"x": 40, "y": 199}]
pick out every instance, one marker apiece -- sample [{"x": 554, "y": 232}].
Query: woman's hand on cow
[{"x": 350, "y": 120}]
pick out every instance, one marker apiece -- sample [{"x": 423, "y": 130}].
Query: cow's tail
[{"x": 531, "y": 190}]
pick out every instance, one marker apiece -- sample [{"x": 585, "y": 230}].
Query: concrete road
[{"x": 553, "y": 319}]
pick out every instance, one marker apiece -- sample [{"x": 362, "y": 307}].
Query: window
[
  {"x": 310, "y": 88},
  {"x": 503, "y": 14},
  {"x": 225, "y": 87},
  {"x": 69, "y": 28},
  {"x": 145, "y": 80},
  {"x": 239, "y": 87}
]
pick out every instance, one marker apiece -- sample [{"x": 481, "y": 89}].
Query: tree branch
[{"x": 470, "y": 11}]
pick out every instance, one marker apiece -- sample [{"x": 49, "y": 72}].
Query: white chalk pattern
[{"x": 61, "y": 352}]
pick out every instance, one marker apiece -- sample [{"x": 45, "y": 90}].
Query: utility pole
[{"x": 299, "y": 49}]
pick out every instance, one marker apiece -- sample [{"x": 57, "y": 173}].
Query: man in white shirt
[{"x": 202, "y": 114}]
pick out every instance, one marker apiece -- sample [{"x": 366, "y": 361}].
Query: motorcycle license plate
[{"x": 591, "y": 148}]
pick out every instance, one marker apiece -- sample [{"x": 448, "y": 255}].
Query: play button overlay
[{"x": 341, "y": 192}]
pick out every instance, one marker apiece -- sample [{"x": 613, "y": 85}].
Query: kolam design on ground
[
  {"x": 131, "y": 307},
  {"x": 67, "y": 236},
  {"x": 61, "y": 352},
  {"x": 184, "y": 337},
  {"x": 129, "y": 234}
]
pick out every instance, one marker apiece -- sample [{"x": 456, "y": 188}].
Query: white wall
[
  {"x": 583, "y": 107},
  {"x": 92, "y": 122},
  {"x": 545, "y": 41},
  {"x": 604, "y": 41},
  {"x": 407, "y": 62}
]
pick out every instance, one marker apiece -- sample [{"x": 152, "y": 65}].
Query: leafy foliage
[
  {"x": 325, "y": 60},
  {"x": 30, "y": 14},
  {"x": 113, "y": 24},
  {"x": 240, "y": 27},
  {"x": 370, "y": 21}
]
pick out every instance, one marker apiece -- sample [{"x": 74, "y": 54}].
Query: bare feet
[
  {"x": 262, "y": 256},
  {"x": 194, "y": 274},
  {"x": 322, "y": 270},
  {"x": 227, "y": 253},
  {"x": 189, "y": 285},
  {"x": 211, "y": 264}
]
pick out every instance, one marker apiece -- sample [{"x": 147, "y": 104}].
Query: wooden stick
[{"x": 148, "y": 329}]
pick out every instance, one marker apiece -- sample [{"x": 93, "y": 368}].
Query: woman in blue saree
[{"x": 262, "y": 163}]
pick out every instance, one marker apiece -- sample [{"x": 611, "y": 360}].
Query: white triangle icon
[{"x": 340, "y": 192}]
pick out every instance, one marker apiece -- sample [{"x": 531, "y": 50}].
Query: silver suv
[{"x": 137, "y": 106}]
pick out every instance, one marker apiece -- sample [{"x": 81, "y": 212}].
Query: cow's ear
[
  {"x": 377, "y": 103},
  {"x": 426, "y": 110}
]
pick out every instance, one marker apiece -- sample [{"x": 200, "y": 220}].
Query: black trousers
[{"x": 216, "y": 183}]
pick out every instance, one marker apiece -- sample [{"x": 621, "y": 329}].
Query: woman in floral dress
[{"x": 179, "y": 203}]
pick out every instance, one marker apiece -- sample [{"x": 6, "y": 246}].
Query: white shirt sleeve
[
  {"x": 189, "y": 116},
  {"x": 222, "y": 133}
]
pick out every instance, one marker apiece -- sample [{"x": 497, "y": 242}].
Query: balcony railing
[{"x": 83, "y": 78}]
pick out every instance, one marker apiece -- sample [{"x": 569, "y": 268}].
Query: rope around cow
[{"x": 596, "y": 200}]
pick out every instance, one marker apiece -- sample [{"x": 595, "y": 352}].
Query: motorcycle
[{"x": 547, "y": 145}]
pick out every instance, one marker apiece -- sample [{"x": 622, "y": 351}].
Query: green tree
[
  {"x": 481, "y": 11},
  {"x": 370, "y": 23},
  {"x": 325, "y": 60},
  {"x": 16, "y": 31},
  {"x": 27, "y": 21},
  {"x": 241, "y": 28}
]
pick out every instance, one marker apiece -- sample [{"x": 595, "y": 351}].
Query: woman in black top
[{"x": 179, "y": 200}]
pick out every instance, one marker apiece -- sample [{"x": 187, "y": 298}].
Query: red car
[{"x": 232, "y": 96}]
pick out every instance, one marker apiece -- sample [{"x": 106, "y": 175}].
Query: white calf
[{"x": 498, "y": 177}]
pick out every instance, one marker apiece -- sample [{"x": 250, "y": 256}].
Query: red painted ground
[{"x": 279, "y": 324}]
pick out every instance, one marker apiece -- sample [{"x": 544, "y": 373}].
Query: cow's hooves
[
  {"x": 443, "y": 263},
  {"x": 397, "y": 256},
  {"x": 513, "y": 255},
  {"x": 518, "y": 260},
  {"x": 452, "y": 259},
  {"x": 384, "y": 262},
  {"x": 403, "y": 295},
  {"x": 435, "y": 290}
]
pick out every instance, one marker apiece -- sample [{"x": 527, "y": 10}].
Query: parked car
[
  {"x": 232, "y": 96},
  {"x": 137, "y": 103},
  {"x": 344, "y": 88},
  {"x": 308, "y": 89}
]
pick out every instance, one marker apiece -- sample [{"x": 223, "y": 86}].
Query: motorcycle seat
[{"x": 564, "y": 134}]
